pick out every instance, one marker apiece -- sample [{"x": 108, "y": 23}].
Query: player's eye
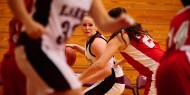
[
  {"x": 91, "y": 25},
  {"x": 84, "y": 25}
]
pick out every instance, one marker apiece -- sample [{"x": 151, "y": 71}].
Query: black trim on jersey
[
  {"x": 104, "y": 86},
  {"x": 97, "y": 35},
  {"x": 42, "y": 11}
]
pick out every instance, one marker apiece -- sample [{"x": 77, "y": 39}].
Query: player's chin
[{"x": 88, "y": 34}]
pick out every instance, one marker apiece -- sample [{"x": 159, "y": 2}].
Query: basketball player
[
  {"x": 110, "y": 81},
  {"x": 136, "y": 46},
  {"x": 173, "y": 74},
  {"x": 14, "y": 82},
  {"x": 39, "y": 50}
]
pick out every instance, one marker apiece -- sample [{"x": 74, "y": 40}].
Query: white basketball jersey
[
  {"x": 92, "y": 58},
  {"x": 60, "y": 18}
]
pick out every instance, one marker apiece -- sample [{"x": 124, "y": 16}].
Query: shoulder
[
  {"x": 99, "y": 41},
  {"x": 123, "y": 37}
]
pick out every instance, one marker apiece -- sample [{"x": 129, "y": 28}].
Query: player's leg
[
  {"x": 152, "y": 89},
  {"x": 31, "y": 88},
  {"x": 148, "y": 84},
  {"x": 34, "y": 89},
  {"x": 26, "y": 67},
  {"x": 35, "y": 84},
  {"x": 58, "y": 82}
]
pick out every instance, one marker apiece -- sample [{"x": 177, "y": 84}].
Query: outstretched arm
[
  {"x": 99, "y": 75},
  {"x": 77, "y": 47},
  {"x": 105, "y": 22},
  {"x": 97, "y": 48},
  {"x": 102, "y": 62},
  {"x": 19, "y": 10}
]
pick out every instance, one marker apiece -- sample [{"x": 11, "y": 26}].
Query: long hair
[
  {"x": 135, "y": 30},
  {"x": 132, "y": 31}
]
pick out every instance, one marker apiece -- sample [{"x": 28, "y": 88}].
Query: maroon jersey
[{"x": 173, "y": 75}]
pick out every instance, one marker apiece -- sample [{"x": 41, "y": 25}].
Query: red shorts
[
  {"x": 14, "y": 82},
  {"x": 173, "y": 74}
]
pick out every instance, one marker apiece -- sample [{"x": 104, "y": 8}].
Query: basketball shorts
[
  {"x": 50, "y": 64},
  {"x": 109, "y": 86}
]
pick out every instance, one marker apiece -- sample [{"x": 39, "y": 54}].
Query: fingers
[
  {"x": 130, "y": 20},
  {"x": 120, "y": 63},
  {"x": 35, "y": 34},
  {"x": 126, "y": 20},
  {"x": 70, "y": 45},
  {"x": 115, "y": 65},
  {"x": 35, "y": 30}
]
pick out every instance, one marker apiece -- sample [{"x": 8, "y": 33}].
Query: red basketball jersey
[
  {"x": 173, "y": 75},
  {"x": 144, "y": 55}
]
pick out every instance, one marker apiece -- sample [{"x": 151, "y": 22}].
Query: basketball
[{"x": 70, "y": 55}]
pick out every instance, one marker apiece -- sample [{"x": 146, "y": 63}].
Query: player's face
[{"x": 88, "y": 26}]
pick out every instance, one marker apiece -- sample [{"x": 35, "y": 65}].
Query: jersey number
[
  {"x": 65, "y": 26},
  {"x": 180, "y": 36},
  {"x": 148, "y": 41}
]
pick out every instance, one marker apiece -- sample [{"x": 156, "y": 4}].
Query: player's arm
[
  {"x": 99, "y": 75},
  {"x": 97, "y": 48},
  {"x": 77, "y": 47},
  {"x": 102, "y": 62},
  {"x": 19, "y": 10},
  {"x": 33, "y": 29},
  {"x": 105, "y": 22}
]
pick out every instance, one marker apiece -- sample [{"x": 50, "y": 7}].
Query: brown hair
[{"x": 132, "y": 31}]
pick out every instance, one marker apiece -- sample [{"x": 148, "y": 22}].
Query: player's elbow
[
  {"x": 100, "y": 65},
  {"x": 103, "y": 65},
  {"x": 107, "y": 71}
]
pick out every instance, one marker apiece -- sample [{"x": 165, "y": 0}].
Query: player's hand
[
  {"x": 119, "y": 62},
  {"x": 126, "y": 20},
  {"x": 34, "y": 29},
  {"x": 71, "y": 45}
]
